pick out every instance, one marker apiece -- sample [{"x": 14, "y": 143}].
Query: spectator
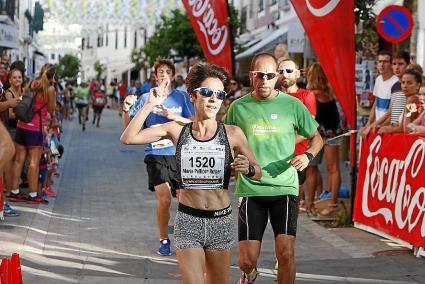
[
  {"x": 180, "y": 85},
  {"x": 382, "y": 91},
  {"x": 29, "y": 136},
  {"x": 327, "y": 116},
  {"x": 391, "y": 119}
]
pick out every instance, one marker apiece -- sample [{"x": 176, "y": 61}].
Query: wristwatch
[{"x": 309, "y": 156}]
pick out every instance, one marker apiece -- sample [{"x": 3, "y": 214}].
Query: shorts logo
[{"x": 274, "y": 116}]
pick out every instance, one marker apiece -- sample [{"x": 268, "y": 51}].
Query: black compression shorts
[{"x": 254, "y": 213}]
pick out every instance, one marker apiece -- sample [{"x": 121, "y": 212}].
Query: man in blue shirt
[{"x": 159, "y": 156}]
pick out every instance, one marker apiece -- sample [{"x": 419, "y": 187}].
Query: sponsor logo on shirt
[
  {"x": 260, "y": 129},
  {"x": 172, "y": 109}
]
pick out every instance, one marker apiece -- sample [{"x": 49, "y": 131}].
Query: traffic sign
[{"x": 394, "y": 23}]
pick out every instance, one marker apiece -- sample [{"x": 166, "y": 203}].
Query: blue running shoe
[
  {"x": 165, "y": 247},
  {"x": 9, "y": 211}
]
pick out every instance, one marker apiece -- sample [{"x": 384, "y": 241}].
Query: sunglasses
[
  {"x": 287, "y": 71},
  {"x": 264, "y": 75},
  {"x": 208, "y": 92}
]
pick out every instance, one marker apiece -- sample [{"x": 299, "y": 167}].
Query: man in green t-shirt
[{"x": 271, "y": 120}]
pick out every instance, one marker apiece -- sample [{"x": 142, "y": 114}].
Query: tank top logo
[{"x": 274, "y": 116}]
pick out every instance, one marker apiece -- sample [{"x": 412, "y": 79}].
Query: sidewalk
[{"x": 101, "y": 228}]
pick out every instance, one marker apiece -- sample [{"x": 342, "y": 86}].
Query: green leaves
[
  {"x": 99, "y": 68},
  {"x": 68, "y": 66}
]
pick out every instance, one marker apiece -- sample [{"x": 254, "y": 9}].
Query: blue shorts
[{"x": 29, "y": 138}]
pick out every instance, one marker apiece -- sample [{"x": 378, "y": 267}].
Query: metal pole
[
  {"x": 353, "y": 159},
  {"x": 232, "y": 41}
]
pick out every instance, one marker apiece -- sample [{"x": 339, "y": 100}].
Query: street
[{"x": 101, "y": 227}]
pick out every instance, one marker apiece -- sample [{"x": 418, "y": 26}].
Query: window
[
  {"x": 243, "y": 19},
  {"x": 107, "y": 37},
  {"x": 82, "y": 43},
  {"x": 260, "y": 5},
  {"x": 273, "y": 2},
  {"x": 125, "y": 37},
  {"x": 52, "y": 56},
  {"x": 135, "y": 39},
  {"x": 116, "y": 39}
]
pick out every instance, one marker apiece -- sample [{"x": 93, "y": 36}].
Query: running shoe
[
  {"x": 49, "y": 192},
  {"x": 249, "y": 278},
  {"x": 9, "y": 211},
  {"x": 37, "y": 200},
  {"x": 19, "y": 197},
  {"x": 165, "y": 247}
]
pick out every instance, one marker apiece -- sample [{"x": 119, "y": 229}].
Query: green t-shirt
[
  {"x": 271, "y": 127},
  {"x": 82, "y": 95}
]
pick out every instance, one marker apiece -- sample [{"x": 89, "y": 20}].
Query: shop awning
[{"x": 270, "y": 39}]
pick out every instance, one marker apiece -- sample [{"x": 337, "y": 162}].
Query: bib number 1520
[{"x": 203, "y": 162}]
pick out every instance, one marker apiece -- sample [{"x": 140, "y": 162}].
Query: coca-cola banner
[
  {"x": 209, "y": 20},
  {"x": 391, "y": 186},
  {"x": 329, "y": 25}
]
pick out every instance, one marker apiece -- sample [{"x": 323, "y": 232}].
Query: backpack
[
  {"x": 99, "y": 99},
  {"x": 24, "y": 111}
]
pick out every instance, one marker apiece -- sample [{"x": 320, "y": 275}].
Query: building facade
[
  {"x": 111, "y": 45},
  {"x": 20, "y": 20}
]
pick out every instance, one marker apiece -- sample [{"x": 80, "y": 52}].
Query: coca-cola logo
[
  {"x": 215, "y": 35},
  {"x": 324, "y": 10},
  {"x": 389, "y": 183}
]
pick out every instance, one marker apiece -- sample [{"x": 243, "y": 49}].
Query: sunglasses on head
[
  {"x": 287, "y": 71},
  {"x": 208, "y": 92},
  {"x": 264, "y": 75}
]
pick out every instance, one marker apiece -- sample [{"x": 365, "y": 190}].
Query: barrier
[
  {"x": 390, "y": 194},
  {"x": 10, "y": 270}
]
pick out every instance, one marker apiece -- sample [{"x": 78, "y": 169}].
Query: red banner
[
  {"x": 329, "y": 25},
  {"x": 209, "y": 20},
  {"x": 391, "y": 186}
]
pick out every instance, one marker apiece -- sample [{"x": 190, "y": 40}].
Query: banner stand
[{"x": 417, "y": 251}]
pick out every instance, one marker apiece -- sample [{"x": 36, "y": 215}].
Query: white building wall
[{"x": 114, "y": 53}]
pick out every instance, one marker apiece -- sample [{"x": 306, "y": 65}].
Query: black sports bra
[{"x": 203, "y": 165}]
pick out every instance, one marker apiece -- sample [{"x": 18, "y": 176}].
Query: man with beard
[{"x": 289, "y": 75}]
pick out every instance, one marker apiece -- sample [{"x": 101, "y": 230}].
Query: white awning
[{"x": 275, "y": 35}]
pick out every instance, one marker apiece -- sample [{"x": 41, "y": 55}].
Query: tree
[
  {"x": 175, "y": 37},
  {"x": 367, "y": 40},
  {"x": 99, "y": 68},
  {"x": 68, "y": 66}
]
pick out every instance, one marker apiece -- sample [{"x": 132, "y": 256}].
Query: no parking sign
[{"x": 394, "y": 23}]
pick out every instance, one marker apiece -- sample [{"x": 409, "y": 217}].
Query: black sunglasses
[
  {"x": 264, "y": 75},
  {"x": 208, "y": 92},
  {"x": 287, "y": 71}
]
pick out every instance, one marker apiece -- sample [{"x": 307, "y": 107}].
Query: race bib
[
  {"x": 99, "y": 101},
  {"x": 202, "y": 166}
]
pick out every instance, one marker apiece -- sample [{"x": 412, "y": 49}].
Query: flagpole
[
  {"x": 232, "y": 39},
  {"x": 353, "y": 159}
]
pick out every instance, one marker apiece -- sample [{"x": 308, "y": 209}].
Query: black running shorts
[
  {"x": 162, "y": 169},
  {"x": 254, "y": 213}
]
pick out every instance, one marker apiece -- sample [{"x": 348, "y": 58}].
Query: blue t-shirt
[
  {"x": 146, "y": 87},
  {"x": 177, "y": 102}
]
